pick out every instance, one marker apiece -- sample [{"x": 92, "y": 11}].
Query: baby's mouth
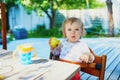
[{"x": 73, "y": 36}]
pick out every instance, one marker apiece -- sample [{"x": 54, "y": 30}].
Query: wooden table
[{"x": 40, "y": 69}]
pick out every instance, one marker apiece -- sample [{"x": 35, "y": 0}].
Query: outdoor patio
[
  {"x": 111, "y": 48},
  {"x": 107, "y": 46}
]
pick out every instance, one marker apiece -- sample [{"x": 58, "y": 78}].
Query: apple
[
  {"x": 2, "y": 77},
  {"x": 54, "y": 42}
]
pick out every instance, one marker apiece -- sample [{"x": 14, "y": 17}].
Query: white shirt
[{"x": 71, "y": 51}]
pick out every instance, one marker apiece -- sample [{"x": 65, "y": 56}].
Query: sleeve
[
  {"x": 57, "y": 50},
  {"x": 85, "y": 49}
]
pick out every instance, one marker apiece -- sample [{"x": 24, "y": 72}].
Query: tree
[
  {"x": 110, "y": 18},
  {"x": 49, "y": 7},
  {"x": 8, "y": 5}
]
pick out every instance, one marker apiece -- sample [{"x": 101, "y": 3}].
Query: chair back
[
  {"x": 100, "y": 66},
  {"x": 97, "y": 68}
]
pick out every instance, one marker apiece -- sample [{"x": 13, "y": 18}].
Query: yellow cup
[{"x": 25, "y": 53}]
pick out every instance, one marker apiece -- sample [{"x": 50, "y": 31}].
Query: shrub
[{"x": 40, "y": 31}]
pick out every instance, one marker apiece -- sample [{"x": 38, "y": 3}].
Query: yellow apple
[
  {"x": 54, "y": 42},
  {"x": 1, "y": 77}
]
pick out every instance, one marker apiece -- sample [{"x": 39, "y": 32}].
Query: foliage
[
  {"x": 11, "y": 3},
  {"x": 80, "y": 4},
  {"x": 94, "y": 30},
  {"x": 53, "y": 5},
  {"x": 40, "y": 31},
  {"x": 0, "y": 28},
  {"x": 11, "y": 37},
  {"x": 96, "y": 26},
  {"x": 44, "y": 5},
  {"x": 49, "y": 7},
  {"x": 0, "y": 34}
]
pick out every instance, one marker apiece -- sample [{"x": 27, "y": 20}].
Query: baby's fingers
[{"x": 84, "y": 58}]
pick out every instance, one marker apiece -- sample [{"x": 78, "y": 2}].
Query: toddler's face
[{"x": 73, "y": 31}]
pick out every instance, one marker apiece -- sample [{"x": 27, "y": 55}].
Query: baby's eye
[
  {"x": 69, "y": 29},
  {"x": 77, "y": 29}
]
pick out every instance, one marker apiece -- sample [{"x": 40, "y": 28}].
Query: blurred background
[
  {"x": 35, "y": 21},
  {"x": 43, "y": 18}
]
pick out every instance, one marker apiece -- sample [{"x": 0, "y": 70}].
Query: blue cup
[
  {"x": 24, "y": 53},
  {"x": 25, "y": 58}
]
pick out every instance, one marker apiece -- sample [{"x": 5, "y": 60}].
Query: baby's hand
[{"x": 85, "y": 58}]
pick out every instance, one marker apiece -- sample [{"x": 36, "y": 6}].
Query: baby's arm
[{"x": 86, "y": 56}]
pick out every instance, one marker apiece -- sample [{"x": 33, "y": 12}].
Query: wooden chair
[{"x": 97, "y": 68}]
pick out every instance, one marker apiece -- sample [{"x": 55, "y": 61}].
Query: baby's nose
[{"x": 73, "y": 32}]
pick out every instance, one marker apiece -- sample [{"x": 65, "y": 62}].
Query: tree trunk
[
  {"x": 53, "y": 12},
  {"x": 110, "y": 18},
  {"x": 51, "y": 22},
  {"x": 3, "y": 18},
  {"x": 51, "y": 17}
]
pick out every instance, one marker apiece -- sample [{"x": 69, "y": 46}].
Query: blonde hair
[{"x": 72, "y": 20}]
